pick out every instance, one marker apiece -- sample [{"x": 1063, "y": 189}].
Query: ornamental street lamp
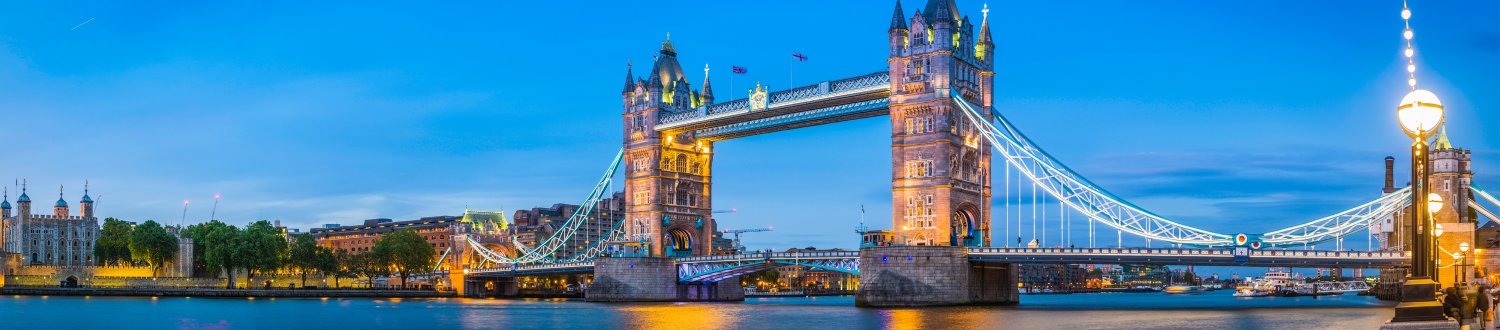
[
  {"x": 1463, "y": 250},
  {"x": 1420, "y": 114}
]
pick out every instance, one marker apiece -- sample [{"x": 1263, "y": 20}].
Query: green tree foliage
[
  {"x": 151, "y": 243},
  {"x": 114, "y": 242},
  {"x": 264, "y": 248},
  {"x": 372, "y": 264},
  {"x": 222, "y": 249},
  {"x": 332, "y": 262},
  {"x": 304, "y": 256},
  {"x": 199, "y": 234},
  {"x": 408, "y": 253}
]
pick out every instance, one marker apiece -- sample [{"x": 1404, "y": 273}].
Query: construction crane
[{"x": 737, "y": 246}]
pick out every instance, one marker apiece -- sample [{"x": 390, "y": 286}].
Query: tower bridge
[{"x": 937, "y": 91}]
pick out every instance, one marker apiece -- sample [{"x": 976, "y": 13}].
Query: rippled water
[{"x": 1213, "y": 310}]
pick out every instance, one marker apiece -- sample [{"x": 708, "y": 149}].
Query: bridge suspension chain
[
  {"x": 544, "y": 252},
  {"x": 1341, "y": 224},
  {"x": 1078, "y": 193},
  {"x": 1092, "y": 201}
]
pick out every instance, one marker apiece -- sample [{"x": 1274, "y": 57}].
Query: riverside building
[{"x": 59, "y": 239}]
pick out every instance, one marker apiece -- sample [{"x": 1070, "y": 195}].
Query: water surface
[{"x": 1212, "y": 310}]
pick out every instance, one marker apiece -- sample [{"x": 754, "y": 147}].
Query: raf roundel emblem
[{"x": 1241, "y": 239}]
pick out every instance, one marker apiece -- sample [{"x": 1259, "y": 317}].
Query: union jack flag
[
  {"x": 800, "y": 57},
  {"x": 738, "y": 70}
]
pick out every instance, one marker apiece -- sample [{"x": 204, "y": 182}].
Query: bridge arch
[
  {"x": 681, "y": 242},
  {"x": 967, "y": 228}
]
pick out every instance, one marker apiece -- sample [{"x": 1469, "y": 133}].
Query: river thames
[{"x": 1212, "y": 310}]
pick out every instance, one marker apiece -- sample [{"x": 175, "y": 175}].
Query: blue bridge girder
[
  {"x": 1191, "y": 257},
  {"x": 715, "y": 268},
  {"x": 824, "y": 102}
]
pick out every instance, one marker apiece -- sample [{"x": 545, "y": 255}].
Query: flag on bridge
[
  {"x": 800, "y": 57},
  {"x": 736, "y": 69}
]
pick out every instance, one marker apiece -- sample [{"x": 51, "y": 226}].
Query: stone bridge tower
[
  {"x": 940, "y": 164},
  {"x": 666, "y": 173}
]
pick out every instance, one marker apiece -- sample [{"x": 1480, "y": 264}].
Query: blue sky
[{"x": 1231, "y": 116}]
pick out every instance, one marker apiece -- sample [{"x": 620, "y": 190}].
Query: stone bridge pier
[
  {"x": 491, "y": 287},
  {"x": 910, "y": 276},
  {"x": 633, "y": 279}
]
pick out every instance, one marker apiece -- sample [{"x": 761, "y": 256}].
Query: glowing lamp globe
[
  {"x": 1420, "y": 113},
  {"x": 1463, "y": 246},
  {"x": 1437, "y": 230},
  {"x": 1434, "y": 202},
  {"x": 1456, "y": 255}
]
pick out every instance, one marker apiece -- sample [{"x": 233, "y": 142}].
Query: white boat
[
  {"x": 1249, "y": 291},
  {"x": 1276, "y": 281}
]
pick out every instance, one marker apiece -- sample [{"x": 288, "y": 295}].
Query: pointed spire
[
  {"x": 629, "y": 82},
  {"x": 898, "y": 19},
  {"x": 1442, "y": 140},
  {"x": 708, "y": 91},
  {"x": 23, "y": 198},
  {"x": 86, "y": 198},
  {"x": 653, "y": 80},
  {"x": 984, "y": 27},
  {"x": 941, "y": 11},
  {"x": 60, "y": 201},
  {"x": 5, "y": 203}
]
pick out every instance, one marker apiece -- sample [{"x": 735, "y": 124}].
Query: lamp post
[
  {"x": 1463, "y": 251},
  {"x": 1420, "y": 114}
]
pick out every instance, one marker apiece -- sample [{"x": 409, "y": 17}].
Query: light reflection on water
[{"x": 1081, "y": 311}]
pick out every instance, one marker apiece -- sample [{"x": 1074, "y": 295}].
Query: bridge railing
[
  {"x": 873, "y": 82},
  {"x": 1192, "y": 252},
  {"x": 533, "y": 267},
  {"x": 773, "y": 256}
]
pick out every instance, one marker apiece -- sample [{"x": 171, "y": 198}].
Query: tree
[
  {"x": 150, "y": 242},
  {"x": 114, "y": 242},
  {"x": 222, "y": 250},
  {"x": 199, "y": 234},
  {"x": 334, "y": 262},
  {"x": 409, "y": 253},
  {"x": 371, "y": 264},
  {"x": 264, "y": 249},
  {"x": 304, "y": 255}
]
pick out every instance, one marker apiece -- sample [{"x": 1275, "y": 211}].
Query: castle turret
[
  {"x": 61, "y": 209},
  {"x": 5, "y": 204},
  {"x": 87, "y": 203},
  {"x": 898, "y": 32},
  {"x": 23, "y": 203}
]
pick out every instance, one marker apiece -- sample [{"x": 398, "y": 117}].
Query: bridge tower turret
[
  {"x": 940, "y": 164},
  {"x": 667, "y": 176},
  {"x": 1450, "y": 177}
]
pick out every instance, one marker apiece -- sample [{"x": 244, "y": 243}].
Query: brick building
[{"x": 438, "y": 231}]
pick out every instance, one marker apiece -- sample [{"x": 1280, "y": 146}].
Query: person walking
[{"x": 1482, "y": 304}]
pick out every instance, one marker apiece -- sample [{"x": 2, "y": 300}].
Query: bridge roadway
[
  {"x": 714, "y": 268},
  {"x": 824, "y": 102}
]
